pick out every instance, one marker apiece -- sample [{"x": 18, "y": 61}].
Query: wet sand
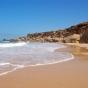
[{"x": 70, "y": 74}]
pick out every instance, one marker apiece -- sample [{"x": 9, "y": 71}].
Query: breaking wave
[
  {"x": 19, "y": 55},
  {"x": 4, "y": 45}
]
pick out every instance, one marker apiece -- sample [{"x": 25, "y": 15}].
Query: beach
[
  {"x": 43, "y": 43},
  {"x": 69, "y": 74}
]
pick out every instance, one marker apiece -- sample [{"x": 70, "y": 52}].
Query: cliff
[
  {"x": 64, "y": 35},
  {"x": 84, "y": 37}
]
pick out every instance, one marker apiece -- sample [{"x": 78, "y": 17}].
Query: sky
[{"x": 19, "y": 17}]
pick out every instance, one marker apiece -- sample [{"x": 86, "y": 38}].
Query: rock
[{"x": 84, "y": 37}]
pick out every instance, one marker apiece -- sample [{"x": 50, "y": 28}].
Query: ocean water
[{"x": 19, "y": 55}]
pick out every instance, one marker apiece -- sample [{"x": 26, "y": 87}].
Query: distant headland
[{"x": 74, "y": 34}]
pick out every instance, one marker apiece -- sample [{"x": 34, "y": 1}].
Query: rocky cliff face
[
  {"x": 84, "y": 37},
  {"x": 78, "y": 29},
  {"x": 60, "y": 35}
]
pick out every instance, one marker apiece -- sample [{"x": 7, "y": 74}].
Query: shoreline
[
  {"x": 22, "y": 66},
  {"x": 69, "y": 74},
  {"x": 28, "y": 66}
]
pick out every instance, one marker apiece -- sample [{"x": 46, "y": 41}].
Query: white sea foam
[
  {"x": 64, "y": 60},
  {"x": 30, "y": 54},
  {"x": 4, "y": 45},
  {"x": 1, "y": 64},
  {"x": 46, "y": 46},
  {"x": 15, "y": 67},
  {"x": 22, "y": 66}
]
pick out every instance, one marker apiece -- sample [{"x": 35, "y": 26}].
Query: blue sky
[{"x": 19, "y": 17}]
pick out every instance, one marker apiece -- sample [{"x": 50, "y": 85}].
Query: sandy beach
[{"x": 70, "y": 74}]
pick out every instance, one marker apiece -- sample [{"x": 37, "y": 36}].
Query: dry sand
[{"x": 70, "y": 74}]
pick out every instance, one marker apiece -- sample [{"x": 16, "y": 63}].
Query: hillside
[{"x": 65, "y": 35}]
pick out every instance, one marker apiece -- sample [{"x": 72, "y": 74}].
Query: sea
[{"x": 15, "y": 56}]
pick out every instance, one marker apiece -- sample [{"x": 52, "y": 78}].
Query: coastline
[{"x": 70, "y": 74}]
